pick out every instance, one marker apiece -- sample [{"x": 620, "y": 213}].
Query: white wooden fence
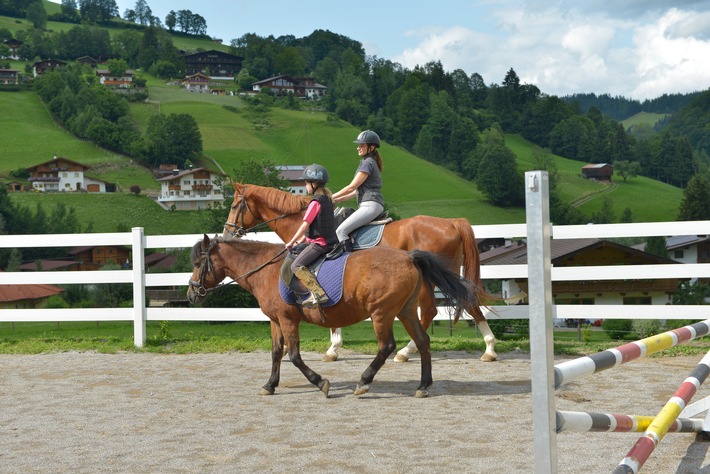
[{"x": 139, "y": 242}]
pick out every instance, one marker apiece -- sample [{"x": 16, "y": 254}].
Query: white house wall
[
  {"x": 187, "y": 199},
  {"x": 510, "y": 289}
]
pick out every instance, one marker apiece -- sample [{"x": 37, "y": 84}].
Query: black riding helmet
[
  {"x": 316, "y": 174},
  {"x": 368, "y": 137}
]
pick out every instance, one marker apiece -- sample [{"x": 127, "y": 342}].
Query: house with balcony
[
  {"x": 293, "y": 174},
  {"x": 95, "y": 257},
  {"x": 301, "y": 87},
  {"x": 198, "y": 82},
  {"x": 124, "y": 81},
  {"x": 41, "y": 67},
  {"x": 63, "y": 174},
  {"x": 587, "y": 252},
  {"x": 213, "y": 63},
  {"x": 189, "y": 190},
  {"x": 9, "y": 76},
  {"x": 14, "y": 46}
]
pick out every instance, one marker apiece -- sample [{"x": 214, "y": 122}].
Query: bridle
[
  {"x": 238, "y": 225},
  {"x": 206, "y": 267}
]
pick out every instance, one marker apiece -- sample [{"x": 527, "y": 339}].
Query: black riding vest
[{"x": 324, "y": 223}]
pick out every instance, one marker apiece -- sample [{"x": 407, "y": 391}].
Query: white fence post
[
  {"x": 139, "y": 306},
  {"x": 539, "y": 234}
]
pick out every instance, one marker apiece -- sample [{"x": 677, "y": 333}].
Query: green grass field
[
  {"x": 643, "y": 118},
  {"x": 176, "y": 337}
]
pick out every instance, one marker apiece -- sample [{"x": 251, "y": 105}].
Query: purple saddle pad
[{"x": 330, "y": 276}]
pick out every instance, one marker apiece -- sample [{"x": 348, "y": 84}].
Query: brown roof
[
  {"x": 561, "y": 249},
  {"x": 182, "y": 173},
  {"x": 57, "y": 159},
  {"x": 27, "y": 292},
  {"x": 48, "y": 265},
  {"x": 160, "y": 260}
]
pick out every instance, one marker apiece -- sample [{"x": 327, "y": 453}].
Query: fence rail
[{"x": 140, "y": 313}]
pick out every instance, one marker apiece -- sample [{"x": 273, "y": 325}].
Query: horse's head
[
  {"x": 241, "y": 217},
  {"x": 206, "y": 276},
  {"x": 259, "y": 207}
]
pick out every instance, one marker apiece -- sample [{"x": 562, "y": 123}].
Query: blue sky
[{"x": 639, "y": 49}]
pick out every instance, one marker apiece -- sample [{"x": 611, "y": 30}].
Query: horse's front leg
[
  {"x": 294, "y": 353},
  {"x": 386, "y": 346},
  {"x": 277, "y": 348},
  {"x": 336, "y": 342}
]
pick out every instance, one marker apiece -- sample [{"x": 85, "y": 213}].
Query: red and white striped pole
[{"x": 643, "y": 448}]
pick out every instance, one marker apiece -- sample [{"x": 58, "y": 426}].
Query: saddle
[
  {"x": 330, "y": 274},
  {"x": 363, "y": 237}
]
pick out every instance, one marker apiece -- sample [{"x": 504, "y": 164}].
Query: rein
[
  {"x": 207, "y": 267},
  {"x": 239, "y": 230}
]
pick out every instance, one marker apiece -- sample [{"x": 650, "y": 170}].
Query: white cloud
[
  {"x": 571, "y": 52},
  {"x": 668, "y": 62}
]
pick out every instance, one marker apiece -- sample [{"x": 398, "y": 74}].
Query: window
[{"x": 677, "y": 254}]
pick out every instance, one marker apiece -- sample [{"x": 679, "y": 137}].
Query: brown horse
[
  {"x": 453, "y": 239},
  {"x": 369, "y": 291}
]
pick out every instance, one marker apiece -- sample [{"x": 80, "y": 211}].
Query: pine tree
[{"x": 695, "y": 205}]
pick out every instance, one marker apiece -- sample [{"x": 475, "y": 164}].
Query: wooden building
[
  {"x": 213, "y": 63},
  {"x": 599, "y": 171}
]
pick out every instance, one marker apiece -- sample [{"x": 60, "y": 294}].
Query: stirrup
[{"x": 313, "y": 302}]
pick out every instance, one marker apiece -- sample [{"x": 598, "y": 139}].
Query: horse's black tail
[{"x": 457, "y": 291}]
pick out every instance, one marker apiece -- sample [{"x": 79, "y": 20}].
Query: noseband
[
  {"x": 238, "y": 225},
  {"x": 205, "y": 267}
]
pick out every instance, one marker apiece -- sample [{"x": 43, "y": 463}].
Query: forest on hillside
[{"x": 455, "y": 119}]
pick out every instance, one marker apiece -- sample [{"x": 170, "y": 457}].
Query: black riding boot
[{"x": 340, "y": 248}]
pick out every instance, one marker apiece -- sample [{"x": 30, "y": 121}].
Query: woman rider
[{"x": 366, "y": 185}]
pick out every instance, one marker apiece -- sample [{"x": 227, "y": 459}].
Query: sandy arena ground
[{"x": 89, "y": 412}]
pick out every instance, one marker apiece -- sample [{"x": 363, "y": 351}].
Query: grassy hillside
[
  {"x": 232, "y": 133},
  {"x": 643, "y": 118},
  {"x": 111, "y": 212},
  {"x": 412, "y": 186},
  {"x": 180, "y": 41}
]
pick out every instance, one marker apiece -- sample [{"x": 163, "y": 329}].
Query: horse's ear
[{"x": 205, "y": 241}]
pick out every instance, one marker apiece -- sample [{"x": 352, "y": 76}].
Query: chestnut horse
[
  {"x": 369, "y": 291},
  {"x": 452, "y": 239}
]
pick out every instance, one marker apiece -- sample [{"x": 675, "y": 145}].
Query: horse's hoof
[
  {"x": 401, "y": 358},
  {"x": 361, "y": 390},
  {"x": 421, "y": 393},
  {"x": 324, "y": 387},
  {"x": 486, "y": 357},
  {"x": 330, "y": 357},
  {"x": 266, "y": 391}
]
